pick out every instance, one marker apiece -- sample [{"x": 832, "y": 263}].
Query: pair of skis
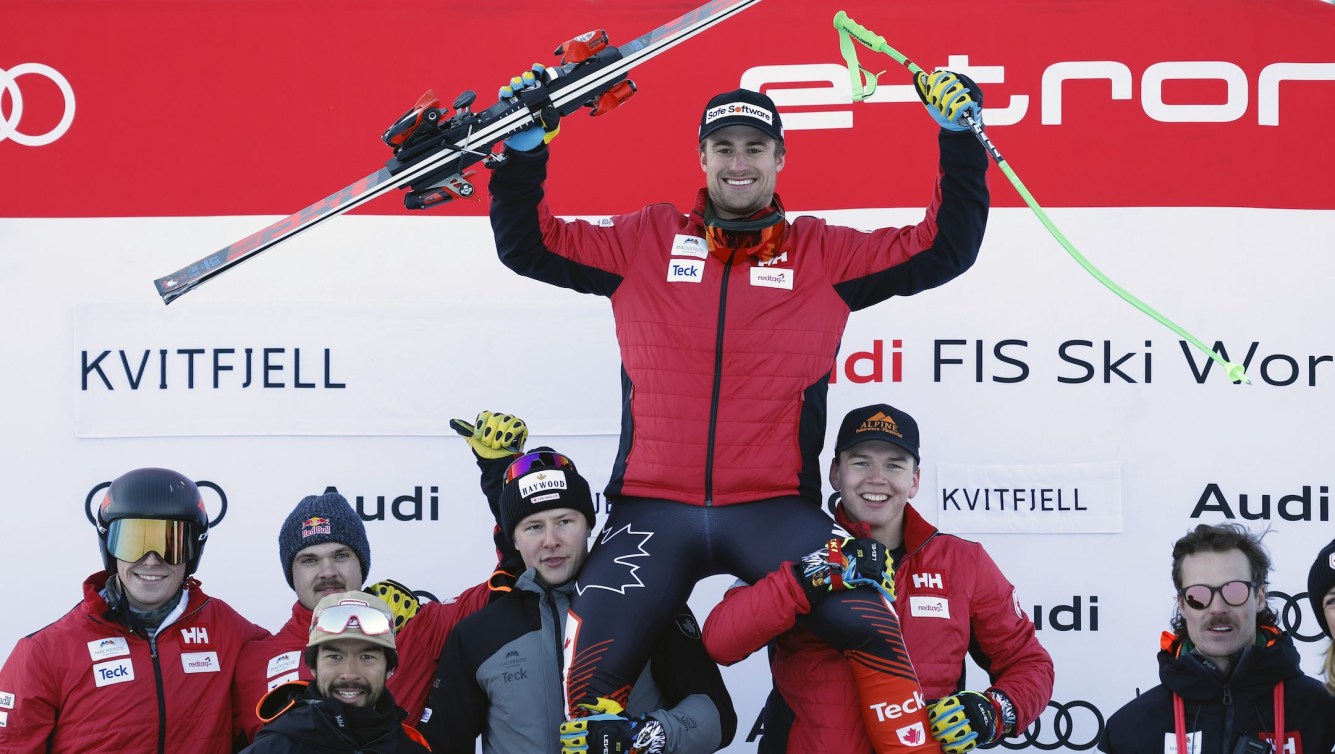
[{"x": 432, "y": 152}]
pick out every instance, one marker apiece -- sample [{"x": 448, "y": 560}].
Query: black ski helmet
[{"x": 154, "y": 494}]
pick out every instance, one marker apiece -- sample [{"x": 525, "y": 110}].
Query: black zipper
[
  {"x": 556, "y": 629},
  {"x": 162, "y": 700},
  {"x": 718, "y": 383}
]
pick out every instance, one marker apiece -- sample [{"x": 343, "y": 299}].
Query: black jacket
[
  {"x": 1221, "y": 711},
  {"x": 299, "y": 722},
  {"x": 500, "y": 677}
]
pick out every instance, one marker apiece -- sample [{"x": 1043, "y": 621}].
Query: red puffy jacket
[
  {"x": 275, "y": 660},
  {"x": 726, "y": 367},
  {"x": 949, "y": 594},
  {"x": 88, "y": 683}
]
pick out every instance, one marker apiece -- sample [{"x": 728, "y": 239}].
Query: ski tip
[{"x": 170, "y": 287}]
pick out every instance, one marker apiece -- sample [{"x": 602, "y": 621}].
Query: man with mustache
[
  {"x": 1230, "y": 682},
  {"x": 323, "y": 549},
  {"x": 346, "y": 707}
]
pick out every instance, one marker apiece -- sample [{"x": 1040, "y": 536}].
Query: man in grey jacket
[{"x": 501, "y": 672}]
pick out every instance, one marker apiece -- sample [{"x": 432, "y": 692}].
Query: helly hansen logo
[
  {"x": 775, "y": 260},
  {"x": 933, "y": 581},
  {"x": 196, "y": 635},
  {"x": 685, "y": 270}
]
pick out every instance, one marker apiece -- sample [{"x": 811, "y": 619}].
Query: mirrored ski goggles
[
  {"x": 539, "y": 459},
  {"x": 1199, "y": 596},
  {"x": 363, "y": 619},
  {"x": 130, "y": 539}
]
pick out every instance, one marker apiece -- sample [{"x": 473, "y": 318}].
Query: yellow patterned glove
[
  {"x": 965, "y": 721},
  {"x": 493, "y": 435},
  {"x": 401, "y": 600},
  {"x": 949, "y": 97}
]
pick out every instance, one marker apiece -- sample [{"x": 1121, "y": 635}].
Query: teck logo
[{"x": 887, "y": 711}]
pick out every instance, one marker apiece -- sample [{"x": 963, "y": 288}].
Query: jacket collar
[{"x": 916, "y": 529}]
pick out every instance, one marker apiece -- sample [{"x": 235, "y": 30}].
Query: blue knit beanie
[{"x": 318, "y": 519}]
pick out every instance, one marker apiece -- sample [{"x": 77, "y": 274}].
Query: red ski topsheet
[{"x": 221, "y": 108}]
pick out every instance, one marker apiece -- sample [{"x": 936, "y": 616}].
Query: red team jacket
[
  {"x": 87, "y": 683},
  {"x": 278, "y": 659},
  {"x": 949, "y": 593},
  {"x": 738, "y": 356}
]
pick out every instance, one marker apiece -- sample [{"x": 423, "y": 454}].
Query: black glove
[
  {"x": 968, "y": 720},
  {"x": 493, "y": 435},
  {"x": 949, "y": 97},
  {"x": 608, "y": 731},
  {"x": 846, "y": 564}
]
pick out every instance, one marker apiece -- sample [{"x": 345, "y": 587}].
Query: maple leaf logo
[{"x": 626, "y": 544}]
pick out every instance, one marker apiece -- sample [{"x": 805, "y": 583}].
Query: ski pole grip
[
  {"x": 861, "y": 33},
  {"x": 871, "y": 40}
]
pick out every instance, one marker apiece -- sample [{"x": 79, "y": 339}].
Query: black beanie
[
  {"x": 543, "y": 480},
  {"x": 318, "y": 519},
  {"x": 1319, "y": 581}
]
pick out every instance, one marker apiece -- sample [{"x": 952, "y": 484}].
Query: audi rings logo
[
  {"x": 1075, "y": 725},
  {"x": 9, "y": 124},
  {"x": 1294, "y": 612},
  {"x": 93, "y": 500}
]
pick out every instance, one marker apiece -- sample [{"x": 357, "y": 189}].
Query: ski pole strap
[{"x": 863, "y": 84}]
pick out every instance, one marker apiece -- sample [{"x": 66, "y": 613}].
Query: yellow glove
[
  {"x": 401, "y": 600},
  {"x": 493, "y": 435}
]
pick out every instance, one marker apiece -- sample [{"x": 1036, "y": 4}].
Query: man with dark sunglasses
[
  {"x": 323, "y": 550},
  {"x": 346, "y": 706},
  {"x": 1230, "y": 681},
  {"x": 500, "y": 674},
  {"x": 145, "y": 662}
]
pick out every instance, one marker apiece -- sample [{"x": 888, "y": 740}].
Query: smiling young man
[
  {"x": 145, "y": 662},
  {"x": 729, "y": 318},
  {"x": 346, "y": 707},
  {"x": 1230, "y": 682},
  {"x": 323, "y": 550},
  {"x": 500, "y": 674},
  {"x": 951, "y": 600}
]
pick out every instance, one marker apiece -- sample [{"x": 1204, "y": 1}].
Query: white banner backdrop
[{"x": 1024, "y": 362}]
